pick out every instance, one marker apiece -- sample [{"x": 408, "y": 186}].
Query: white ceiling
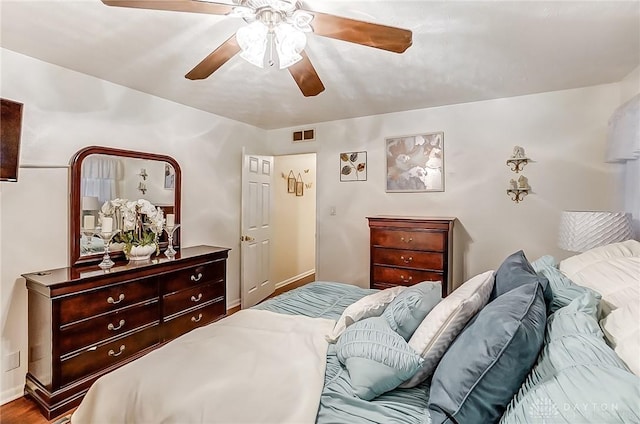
[{"x": 462, "y": 52}]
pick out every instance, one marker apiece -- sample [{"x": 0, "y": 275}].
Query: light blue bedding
[{"x": 338, "y": 403}]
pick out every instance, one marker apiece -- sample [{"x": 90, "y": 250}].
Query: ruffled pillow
[
  {"x": 369, "y": 306},
  {"x": 377, "y": 358},
  {"x": 405, "y": 313}
]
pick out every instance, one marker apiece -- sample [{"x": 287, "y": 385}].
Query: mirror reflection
[{"x": 108, "y": 177}]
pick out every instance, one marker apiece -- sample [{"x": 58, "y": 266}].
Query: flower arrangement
[{"x": 139, "y": 222}]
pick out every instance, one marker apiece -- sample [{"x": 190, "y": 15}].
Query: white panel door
[{"x": 257, "y": 179}]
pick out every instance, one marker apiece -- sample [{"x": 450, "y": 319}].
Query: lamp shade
[
  {"x": 584, "y": 230},
  {"x": 90, "y": 203}
]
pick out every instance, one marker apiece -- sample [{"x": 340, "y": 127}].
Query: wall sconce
[
  {"x": 518, "y": 159},
  {"x": 142, "y": 187},
  {"x": 518, "y": 189},
  {"x": 143, "y": 174}
]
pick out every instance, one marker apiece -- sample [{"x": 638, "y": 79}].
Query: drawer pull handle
[
  {"x": 196, "y": 277},
  {"x": 194, "y": 319},
  {"x": 406, "y": 261},
  {"x": 113, "y": 301},
  {"x": 196, "y": 299},
  {"x": 112, "y": 353},
  {"x": 409, "y": 240},
  {"x": 407, "y": 280},
  {"x": 114, "y": 328}
]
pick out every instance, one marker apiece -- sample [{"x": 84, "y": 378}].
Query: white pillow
[
  {"x": 612, "y": 270},
  {"x": 372, "y": 305},
  {"x": 445, "y": 321},
  {"x": 622, "y": 330}
]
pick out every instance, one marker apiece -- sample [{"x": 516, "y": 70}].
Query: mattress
[{"x": 338, "y": 404}]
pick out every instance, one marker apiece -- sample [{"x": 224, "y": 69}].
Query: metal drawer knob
[
  {"x": 113, "y": 301},
  {"x": 114, "y": 328},
  {"x": 196, "y": 299},
  {"x": 407, "y": 280},
  {"x": 194, "y": 319},
  {"x": 196, "y": 277},
  {"x": 409, "y": 240},
  {"x": 405, "y": 260},
  {"x": 113, "y": 353}
]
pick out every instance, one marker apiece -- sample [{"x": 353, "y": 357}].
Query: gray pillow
[
  {"x": 376, "y": 357},
  {"x": 516, "y": 271},
  {"x": 486, "y": 365},
  {"x": 405, "y": 313}
]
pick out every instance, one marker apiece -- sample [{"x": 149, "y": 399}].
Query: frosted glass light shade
[
  {"x": 584, "y": 230},
  {"x": 289, "y": 43},
  {"x": 252, "y": 39}
]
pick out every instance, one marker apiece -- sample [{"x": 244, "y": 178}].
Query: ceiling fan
[{"x": 276, "y": 35}]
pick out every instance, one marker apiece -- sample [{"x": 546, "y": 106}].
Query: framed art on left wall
[{"x": 415, "y": 163}]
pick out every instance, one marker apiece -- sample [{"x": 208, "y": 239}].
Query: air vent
[{"x": 303, "y": 135}]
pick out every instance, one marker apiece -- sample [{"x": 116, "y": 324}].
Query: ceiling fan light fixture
[
  {"x": 289, "y": 43},
  {"x": 252, "y": 39},
  {"x": 302, "y": 20}
]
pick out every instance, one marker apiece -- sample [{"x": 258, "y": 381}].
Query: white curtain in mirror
[{"x": 99, "y": 177}]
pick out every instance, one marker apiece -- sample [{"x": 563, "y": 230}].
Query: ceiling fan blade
[
  {"x": 215, "y": 60},
  {"x": 194, "y": 6},
  {"x": 373, "y": 35},
  {"x": 306, "y": 76}
]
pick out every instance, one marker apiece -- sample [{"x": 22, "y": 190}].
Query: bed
[{"x": 300, "y": 357}]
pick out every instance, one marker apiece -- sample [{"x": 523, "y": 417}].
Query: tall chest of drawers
[
  {"x": 409, "y": 250},
  {"x": 85, "y": 322}
]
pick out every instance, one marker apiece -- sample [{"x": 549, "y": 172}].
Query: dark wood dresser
[
  {"x": 85, "y": 322},
  {"x": 409, "y": 250}
]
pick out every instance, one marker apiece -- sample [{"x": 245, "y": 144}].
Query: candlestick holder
[
  {"x": 170, "y": 252},
  {"x": 106, "y": 238},
  {"x": 88, "y": 233}
]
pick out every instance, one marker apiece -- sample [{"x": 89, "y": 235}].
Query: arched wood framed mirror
[{"x": 99, "y": 174}]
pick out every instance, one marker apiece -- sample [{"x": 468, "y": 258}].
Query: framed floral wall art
[
  {"x": 415, "y": 163},
  {"x": 353, "y": 166}
]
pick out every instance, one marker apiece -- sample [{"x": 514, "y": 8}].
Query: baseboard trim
[
  {"x": 11, "y": 394},
  {"x": 295, "y": 278}
]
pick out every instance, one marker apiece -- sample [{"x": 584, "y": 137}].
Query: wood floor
[{"x": 25, "y": 411}]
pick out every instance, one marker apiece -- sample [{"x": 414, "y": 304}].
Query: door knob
[{"x": 247, "y": 238}]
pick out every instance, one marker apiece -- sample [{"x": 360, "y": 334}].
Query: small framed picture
[
  {"x": 353, "y": 166},
  {"x": 299, "y": 188},
  {"x": 291, "y": 183},
  {"x": 169, "y": 177},
  {"x": 415, "y": 163}
]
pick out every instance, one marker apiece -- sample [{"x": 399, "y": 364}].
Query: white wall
[
  {"x": 630, "y": 85},
  {"x": 563, "y": 132},
  {"x": 294, "y": 220},
  {"x": 65, "y": 111}
]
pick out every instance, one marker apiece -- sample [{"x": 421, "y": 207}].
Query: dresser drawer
[
  {"x": 184, "y": 323},
  {"x": 102, "y": 356},
  {"x": 90, "y": 332},
  {"x": 189, "y": 298},
  {"x": 410, "y": 240},
  {"x": 88, "y": 304},
  {"x": 408, "y": 258},
  {"x": 402, "y": 276},
  {"x": 189, "y": 277}
]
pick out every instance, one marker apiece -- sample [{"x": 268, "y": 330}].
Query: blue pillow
[
  {"x": 377, "y": 358},
  {"x": 578, "y": 377},
  {"x": 563, "y": 290},
  {"x": 516, "y": 271},
  {"x": 486, "y": 365},
  {"x": 405, "y": 313}
]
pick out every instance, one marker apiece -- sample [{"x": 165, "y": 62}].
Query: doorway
[{"x": 293, "y": 250}]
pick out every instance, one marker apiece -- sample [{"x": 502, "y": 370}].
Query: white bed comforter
[{"x": 252, "y": 367}]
